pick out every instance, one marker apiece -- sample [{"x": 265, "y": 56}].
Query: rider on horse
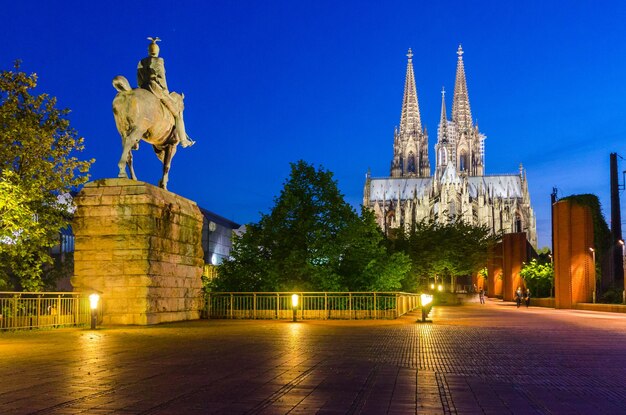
[{"x": 151, "y": 77}]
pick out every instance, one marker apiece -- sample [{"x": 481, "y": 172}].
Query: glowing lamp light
[
  {"x": 426, "y": 299},
  {"x": 93, "y": 304},
  {"x": 440, "y": 287},
  {"x": 294, "y": 303},
  {"x": 432, "y": 286},
  {"x": 93, "y": 301}
]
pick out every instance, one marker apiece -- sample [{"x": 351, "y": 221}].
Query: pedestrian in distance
[
  {"x": 527, "y": 298},
  {"x": 518, "y": 296},
  {"x": 481, "y": 295}
]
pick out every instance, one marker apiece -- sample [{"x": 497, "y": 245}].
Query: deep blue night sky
[{"x": 268, "y": 83}]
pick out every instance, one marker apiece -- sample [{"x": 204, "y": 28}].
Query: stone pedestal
[
  {"x": 574, "y": 268},
  {"x": 140, "y": 247}
]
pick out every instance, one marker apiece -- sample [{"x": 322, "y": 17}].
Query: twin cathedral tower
[{"x": 458, "y": 188}]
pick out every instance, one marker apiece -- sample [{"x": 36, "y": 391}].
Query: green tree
[
  {"x": 539, "y": 277},
  {"x": 451, "y": 249},
  {"x": 39, "y": 168},
  {"x": 311, "y": 240}
]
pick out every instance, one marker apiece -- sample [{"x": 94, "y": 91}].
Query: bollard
[
  {"x": 93, "y": 304},
  {"x": 294, "y": 305}
]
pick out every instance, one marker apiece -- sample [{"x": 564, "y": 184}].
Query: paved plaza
[{"x": 492, "y": 359}]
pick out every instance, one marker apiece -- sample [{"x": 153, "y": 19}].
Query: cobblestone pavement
[{"x": 492, "y": 359}]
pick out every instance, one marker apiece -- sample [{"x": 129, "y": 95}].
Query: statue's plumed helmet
[{"x": 153, "y": 48}]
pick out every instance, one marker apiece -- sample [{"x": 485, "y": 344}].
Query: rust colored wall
[
  {"x": 514, "y": 253},
  {"x": 574, "y": 272},
  {"x": 494, "y": 271}
]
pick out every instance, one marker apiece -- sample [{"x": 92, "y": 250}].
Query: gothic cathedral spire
[
  {"x": 410, "y": 148},
  {"x": 410, "y": 119},
  {"x": 445, "y": 151},
  {"x": 461, "y": 113}
]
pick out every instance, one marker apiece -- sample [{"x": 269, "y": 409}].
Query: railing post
[
  {"x": 57, "y": 318},
  {"x": 326, "y": 310},
  {"x": 14, "y": 311},
  {"x": 375, "y": 307},
  {"x": 209, "y": 306},
  {"x": 277, "y": 305},
  {"x": 254, "y": 306},
  {"x": 38, "y": 308},
  {"x": 231, "y": 305},
  {"x": 397, "y": 304},
  {"x": 350, "y": 305},
  {"x": 75, "y": 300}
]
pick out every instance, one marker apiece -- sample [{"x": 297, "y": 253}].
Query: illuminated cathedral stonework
[{"x": 459, "y": 187}]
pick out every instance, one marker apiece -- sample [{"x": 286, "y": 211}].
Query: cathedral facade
[{"x": 458, "y": 186}]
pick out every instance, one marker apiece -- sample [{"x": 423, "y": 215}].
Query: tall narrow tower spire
[
  {"x": 461, "y": 113},
  {"x": 410, "y": 117},
  {"x": 410, "y": 144},
  {"x": 444, "y": 118}
]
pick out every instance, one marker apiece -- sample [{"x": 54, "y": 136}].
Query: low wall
[
  {"x": 542, "y": 302},
  {"x": 611, "y": 308}
]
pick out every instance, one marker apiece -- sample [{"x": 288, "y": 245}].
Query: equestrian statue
[{"x": 150, "y": 112}]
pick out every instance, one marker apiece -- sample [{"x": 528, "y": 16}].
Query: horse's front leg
[
  {"x": 167, "y": 161},
  {"x": 126, "y": 159}
]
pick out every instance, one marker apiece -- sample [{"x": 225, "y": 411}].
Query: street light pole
[{"x": 595, "y": 279}]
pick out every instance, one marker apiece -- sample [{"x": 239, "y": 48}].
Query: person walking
[
  {"x": 481, "y": 295},
  {"x": 527, "y": 298},
  {"x": 518, "y": 296}
]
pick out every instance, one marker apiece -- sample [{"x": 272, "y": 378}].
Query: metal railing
[
  {"x": 311, "y": 305},
  {"x": 28, "y": 310}
]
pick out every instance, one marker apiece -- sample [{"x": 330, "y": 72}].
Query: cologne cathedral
[{"x": 458, "y": 187}]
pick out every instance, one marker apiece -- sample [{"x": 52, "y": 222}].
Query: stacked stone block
[{"x": 140, "y": 247}]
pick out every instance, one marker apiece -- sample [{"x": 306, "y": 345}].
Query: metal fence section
[
  {"x": 311, "y": 305},
  {"x": 27, "y": 310}
]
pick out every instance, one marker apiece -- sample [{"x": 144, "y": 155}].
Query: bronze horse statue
[{"x": 140, "y": 115}]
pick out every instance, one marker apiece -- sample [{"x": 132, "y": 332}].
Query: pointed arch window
[
  {"x": 410, "y": 164},
  {"x": 518, "y": 223},
  {"x": 463, "y": 165}
]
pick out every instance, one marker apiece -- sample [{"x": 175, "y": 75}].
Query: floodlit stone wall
[{"x": 140, "y": 247}]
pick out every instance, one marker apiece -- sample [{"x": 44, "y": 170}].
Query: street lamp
[
  {"x": 294, "y": 305},
  {"x": 595, "y": 278},
  {"x": 440, "y": 287},
  {"x": 426, "y": 301},
  {"x": 93, "y": 304}
]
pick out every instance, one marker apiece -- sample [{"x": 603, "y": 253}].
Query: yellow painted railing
[
  {"x": 311, "y": 305},
  {"x": 26, "y": 310}
]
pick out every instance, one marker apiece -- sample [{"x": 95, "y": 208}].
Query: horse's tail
[{"x": 121, "y": 83}]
